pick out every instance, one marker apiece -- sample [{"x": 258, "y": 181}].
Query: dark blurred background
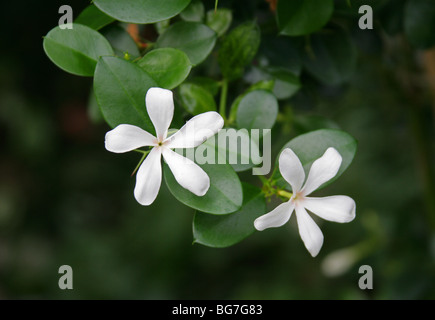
[{"x": 65, "y": 200}]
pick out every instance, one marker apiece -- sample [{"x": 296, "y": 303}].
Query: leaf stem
[
  {"x": 144, "y": 154},
  {"x": 284, "y": 194},
  {"x": 223, "y": 99}
]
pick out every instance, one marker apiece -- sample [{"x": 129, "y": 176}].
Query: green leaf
[
  {"x": 286, "y": 83},
  {"x": 332, "y": 59},
  {"x": 141, "y": 11},
  {"x": 76, "y": 50},
  {"x": 257, "y": 110},
  {"x": 194, "y": 12},
  {"x": 231, "y": 146},
  {"x": 238, "y": 49},
  {"x": 93, "y": 18},
  {"x": 419, "y": 22},
  {"x": 301, "y": 17},
  {"x": 193, "y": 38},
  {"x": 169, "y": 67},
  {"x": 227, "y": 230},
  {"x": 311, "y": 146},
  {"x": 219, "y": 20},
  {"x": 208, "y": 84},
  {"x": 121, "y": 41},
  {"x": 120, "y": 88},
  {"x": 224, "y": 196},
  {"x": 195, "y": 99}
]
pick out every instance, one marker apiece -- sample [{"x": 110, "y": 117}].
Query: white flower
[
  {"x": 160, "y": 108},
  {"x": 335, "y": 208}
]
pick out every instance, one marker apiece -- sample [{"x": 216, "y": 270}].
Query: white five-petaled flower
[
  {"x": 334, "y": 208},
  {"x": 160, "y": 107}
]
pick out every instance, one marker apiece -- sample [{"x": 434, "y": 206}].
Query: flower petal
[
  {"x": 322, "y": 170},
  {"x": 160, "y": 108},
  {"x": 149, "y": 178},
  {"x": 291, "y": 169},
  {"x": 276, "y": 218},
  {"x": 127, "y": 137},
  {"x": 335, "y": 208},
  {"x": 187, "y": 173},
  {"x": 196, "y": 130},
  {"x": 309, "y": 231}
]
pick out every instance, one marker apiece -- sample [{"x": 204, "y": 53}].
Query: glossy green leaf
[
  {"x": 231, "y": 146},
  {"x": 93, "y": 18},
  {"x": 141, "y": 11},
  {"x": 301, "y": 17},
  {"x": 193, "y": 38},
  {"x": 227, "y": 230},
  {"x": 120, "y": 87},
  {"x": 219, "y": 20},
  {"x": 195, "y": 99},
  {"x": 332, "y": 58},
  {"x": 76, "y": 50},
  {"x": 121, "y": 42},
  {"x": 419, "y": 22},
  {"x": 169, "y": 67},
  {"x": 194, "y": 12},
  {"x": 257, "y": 110},
  {"x": 238, "y": 49},
  {"x": 224, "y": 195},
  {"x": 311, "y": 146}
]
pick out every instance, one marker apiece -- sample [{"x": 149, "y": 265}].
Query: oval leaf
[
  {"x": 121, "y": 41},
  {"x": 227, "y": 230},
  {"x": 93, "y": 18},
  {"x": 76, "y": 50},
  {"x": 141, "y": 11},
  {"x": 195, "y": 99},
  {"x": 333, "y": 57},
  {"x": 311, "y": 146},
  {"x": 238, "y": 49},
  {"x": 219, "y": 20},
  {"x": 169, "y": 67},
  {"x": 193, "y": 38},
  {"x": 194, "y": 12},
  {"x": 301, "y": 17},
  {"x": 120, "y": 88},
  {"x": 224, "y": 196},
  {"x": 257, "y": 110}
]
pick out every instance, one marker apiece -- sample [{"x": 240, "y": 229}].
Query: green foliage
[
  {"x": 167, "y": 66},
  {"x": 224, "y": 196},
  {"x": 311, "y": 146},
  {"x": 257, "y": 110},
  {"x": 301, "y": 17},
  {"x": 227, "y": 230},
  {"x": 263, "y": 64},
  {"x": 219, "y": 20},
  {"x": 76, "y": 50},
  {"x": 331, "y": 57},
  {"x": 120, "y": 87},
  {"x": 93, "y": 18},
  {"x": 141, "y": 11},
  {"x": 195, "y": 99},
  {"x": 121, "y": 42},
  {"x": 195, "y": 39},
  {"x": 238, "y": 49}
]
